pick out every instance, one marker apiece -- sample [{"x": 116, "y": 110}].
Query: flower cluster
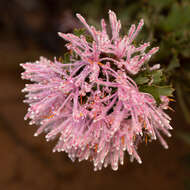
[{"x": 92, "y": 103}]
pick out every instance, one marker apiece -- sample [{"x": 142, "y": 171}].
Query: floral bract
[{"x": 92, "y": 103}]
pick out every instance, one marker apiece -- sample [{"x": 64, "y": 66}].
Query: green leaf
[
  {"x": 157, "y": 91},
  {"x": 66, "y": 58},
  {"x": 157, "y": 76},
  {"x": 151, "y": 90},
  {"x": 141, "y": 80},
  {"x": 79, "y": 32},
  {"x": 165, "y": 90},
  {"x": 82, "y": 31}
]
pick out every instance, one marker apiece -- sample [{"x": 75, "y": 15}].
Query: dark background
[{"x": 28, "y": 29}]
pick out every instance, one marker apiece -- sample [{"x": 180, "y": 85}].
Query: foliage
[
  {"x": 154, "y": 82},
  {"x": 167, "y": 24}
]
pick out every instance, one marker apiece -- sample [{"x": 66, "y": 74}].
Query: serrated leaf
[
  {"x": 141, "y": 80},
  {"x": 151, "y": 90},
  {"x": 157, "y": 76},
  {"x": 79, "y": 32},
  {"x": 157, "y": 91},
  {"x": 165, "y": 90}
]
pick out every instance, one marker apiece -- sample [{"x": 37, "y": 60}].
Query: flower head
[{"x": 92, "y": 103}]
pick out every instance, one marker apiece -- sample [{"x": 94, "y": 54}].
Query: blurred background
[{"x": 28, "y": 29}]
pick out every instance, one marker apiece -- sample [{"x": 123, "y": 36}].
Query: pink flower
[
  {"x": 122, "y": 48},
  {"x": 91, "y": 103}
]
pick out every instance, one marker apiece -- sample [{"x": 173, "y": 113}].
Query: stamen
[
  {"x": 123, "y": 140},
  {"x": 90, "y": 61},
  {"x": 101, "y": 64},
  {"x": 146, "y": 139},
  {"x": 49, "y": 117},
  {"x": 144, "y": 125},
  {"x": 81, "y": 99},
  {"x": 96, "y": 147}
]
